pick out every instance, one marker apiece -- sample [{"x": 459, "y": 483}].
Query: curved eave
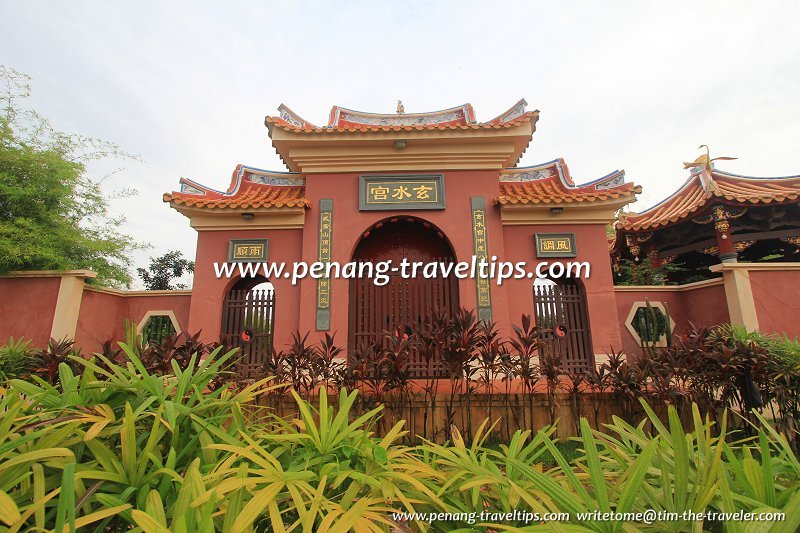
[
  {"x": 615, "y": 198},
  {"x": 231, "y": 204},
  {"x": 278, "y": 122},
  {"x": 228, "y": 219},
  {"x": 327, "y": 150},
  {"x": 531, "y": 187},
  {"x": 726, "y": 188}
]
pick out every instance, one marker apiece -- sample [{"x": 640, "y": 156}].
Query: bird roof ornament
[
  {"x": 703, "y": 166},
  {"x": 705, "y": 160}
]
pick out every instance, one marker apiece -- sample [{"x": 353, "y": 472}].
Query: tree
[
  {"x": 53, "y": 216},
  {"x": 164, "y": 269}
]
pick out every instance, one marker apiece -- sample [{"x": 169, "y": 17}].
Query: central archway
[{"x": 401, "y": 303}]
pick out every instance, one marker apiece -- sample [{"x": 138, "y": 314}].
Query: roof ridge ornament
[
  {"x": 702, "y": 166},
  {"x": 400, "y": 107},
  {"x": 705, "y": 161}
]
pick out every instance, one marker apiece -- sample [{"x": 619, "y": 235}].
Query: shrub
[
  {"x": 118, "y": 448},
  {"x": 15, "y": 359}
]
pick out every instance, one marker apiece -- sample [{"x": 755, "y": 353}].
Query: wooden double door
[{"x": 402, "y": 302}]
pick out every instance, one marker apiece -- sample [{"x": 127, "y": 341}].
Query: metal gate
[
  {"x": 401, "y": 303},
  {"x": 248, "y": 318},
  {"x": 563, "y": 321}
]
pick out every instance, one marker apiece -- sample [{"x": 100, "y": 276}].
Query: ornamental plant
[{"x": 118, "y": 448}]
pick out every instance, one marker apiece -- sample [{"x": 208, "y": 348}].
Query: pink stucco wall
[
  {"x": 26, "y": 308},
  {"x": 592, "y": 248},
  {"x": 701, "y": 305},
  {"x": 103, "y": 314},
  {"x": 101, "y": 318},
  {"x": 777, "y": 300},
  {"x": 208, "y": 291},
  {"x": 27, "y": 304}
]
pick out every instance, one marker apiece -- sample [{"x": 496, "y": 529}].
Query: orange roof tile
[
  {"x": 361, "y": 128},
  {"x": 253, "y": 196},
  {"x": 698, "y": 192},
  {"x": 250, "y": 188},
  {"x": 551, "y": 184}
]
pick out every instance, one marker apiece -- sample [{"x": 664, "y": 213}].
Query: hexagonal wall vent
[
  {"x": 155, "y": 325},
  {"x": 646, "y": 328}
]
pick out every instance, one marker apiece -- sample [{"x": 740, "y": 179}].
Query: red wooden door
[
  {"x": 564, "y": 305},
  {"x": 401, "y": 303}
]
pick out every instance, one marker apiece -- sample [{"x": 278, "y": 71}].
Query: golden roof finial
[
  {"x": 400, "y": 108},
  {"x": 705, "y": 159}
]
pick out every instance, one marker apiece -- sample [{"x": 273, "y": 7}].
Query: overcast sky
[{"x": 636, "y": 85}]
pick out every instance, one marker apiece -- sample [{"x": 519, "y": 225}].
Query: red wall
[
  {"x": 26, "y": 308},
  {"x": 703, "y": 306},
  {"x": 101, "y": 317},
  {"x": 208, "y": 292},
  {"x": 706, "y": 306},
  {"x": 777, "y": 299},
  {"x": 349, "y": 224},
  {"x": 103, "y": 314},
  {"x": 592, "y": 247},
  {"x": 296, "y": 305}
]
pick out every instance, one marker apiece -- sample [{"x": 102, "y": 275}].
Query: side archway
[
  {"x": 248, "y": 320},
  {"x": 562, "y": 316}
]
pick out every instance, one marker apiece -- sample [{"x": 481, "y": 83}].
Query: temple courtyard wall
[{"x": 43, "y": 304}]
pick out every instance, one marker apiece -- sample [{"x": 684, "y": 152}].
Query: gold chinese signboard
[
  {"x": 401, "y": 192},
  {"x": 324, "y": 284},
  {"x": 556, "y": 245},
  {"x": 481, "y": 248},
  {"x": 247, "y": 250}
]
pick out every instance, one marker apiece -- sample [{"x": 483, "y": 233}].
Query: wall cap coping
[
  {"x": 775, "y": 267},
  {"x": 129, "y": 294},
  {"x": 83, "y": 274},
  {"x": 669, "y": 288}
]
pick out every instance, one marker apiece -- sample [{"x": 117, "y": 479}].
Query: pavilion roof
[
  {"x": 342, "y": 119},
  {"x": 551, "y": 183},
  {"x": 250, "y": 188},
  {"x": 704, "y": 188}
]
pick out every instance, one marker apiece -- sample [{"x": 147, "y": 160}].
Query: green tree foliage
[
  {"x": 53, "y": 216},
  {"x": 164, "y": 269},
  {"x": 643, "y": 273}
]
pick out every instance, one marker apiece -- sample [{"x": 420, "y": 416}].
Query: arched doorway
[
  {"x": 562, "y": 317},
  {"x": 248, "y": 318},
  {"x": 401, "y": 303}
]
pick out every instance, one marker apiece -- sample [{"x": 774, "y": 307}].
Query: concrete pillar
[
  {"x": 739, "y": 294},
  {"x": 68, "y": 304}
]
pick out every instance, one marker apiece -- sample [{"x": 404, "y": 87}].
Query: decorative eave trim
[
  {"x": 710, "y": 182},
  {"x": 425, "y": 149},
  {"x": 513, "y": 112},
  {"x": 401, "y": 119},
  {"x": 293, "y": 118},
  {"x": 536, "y": 172},
  {"x": 230, "y": 219},
  {"x": 597, "y": 212}
]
